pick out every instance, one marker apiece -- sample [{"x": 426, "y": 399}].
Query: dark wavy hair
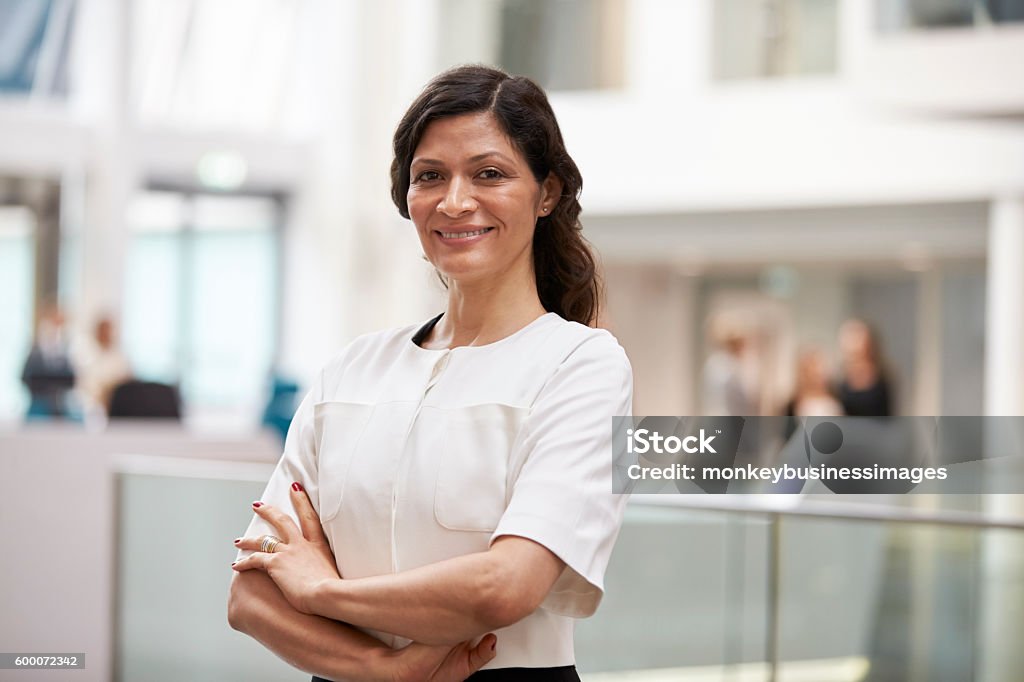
[{"x": 563, "y": 262}]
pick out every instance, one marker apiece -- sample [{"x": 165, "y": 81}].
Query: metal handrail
[{"x": 822, "y": 507}]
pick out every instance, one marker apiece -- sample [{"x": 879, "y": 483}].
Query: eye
[
  {"x": 428, "y": 176},
  {"x": 491, "y": 174}
]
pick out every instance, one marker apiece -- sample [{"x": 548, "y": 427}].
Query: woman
[
  {"x": 864, "y": 388},
  {"x": 812, "y": 396},
  {"x": 453, "y": 479}
]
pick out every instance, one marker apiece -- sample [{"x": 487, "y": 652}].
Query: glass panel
[
  {"x": 562, "y": 44},
  {"x": 215, "y": 64},
  {"x": 34, "y": 46},
  {"x": 768, "y": 38},
  {"x": 831, "y": 577},
  {"x": 173, "y": 579},
  {"x": 231, "y": 317},
  {"x": 910, "y": 596},
  {"x": 683, "y": 589},
  {"x": 963, "y": 341},
  {"x": 17, "y": 272},
  {"x": 902, "y": 15},
  {"x": 153, "y": 302},
  {"x": 201, "y": 300}
]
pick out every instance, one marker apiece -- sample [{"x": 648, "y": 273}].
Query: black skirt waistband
[{"x": 566, "y": 673}]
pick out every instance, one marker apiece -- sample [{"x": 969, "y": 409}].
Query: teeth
[{"x": 460, "y": 235}]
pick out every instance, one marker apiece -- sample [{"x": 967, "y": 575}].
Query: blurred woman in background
[
  {"x": 864, "y": 386},
  {"x": 813, "y": 396}
]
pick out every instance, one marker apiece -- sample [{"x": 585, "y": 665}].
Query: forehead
[{"x": 455, "y": 138}]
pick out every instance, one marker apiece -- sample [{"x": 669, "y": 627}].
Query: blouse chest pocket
[
  {"x": 472, "y": 474},
  {"x": 339, "y": 430}
]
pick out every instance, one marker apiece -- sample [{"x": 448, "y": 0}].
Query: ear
[{"x": 550, "y": 194}]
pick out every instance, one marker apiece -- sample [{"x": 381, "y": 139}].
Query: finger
[
  {"x": 255, "y": 544},
  {"x": 309, "y": 521},
  {"x": 483, "y": 652},
  {"x": 253, "y": 561},
  {"x": 282, "y": 523}
]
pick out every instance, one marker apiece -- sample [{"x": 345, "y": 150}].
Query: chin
[{"x": 464, "y": 271}]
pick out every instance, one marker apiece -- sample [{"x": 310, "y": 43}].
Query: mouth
[{"x": 464, "y": 234}]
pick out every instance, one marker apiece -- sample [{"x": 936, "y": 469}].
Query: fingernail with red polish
[
  {"x": 297, "y": 487},
  {"x": 257, "y": 504}
]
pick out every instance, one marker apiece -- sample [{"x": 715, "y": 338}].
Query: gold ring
[{"x": 269, "y": 543}]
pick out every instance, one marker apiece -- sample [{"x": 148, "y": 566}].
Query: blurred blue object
[{"x": 281, "y": 406}]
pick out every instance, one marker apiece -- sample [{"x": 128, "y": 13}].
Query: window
[
  {"x": 901, "y": 15},
  {"x": 215, "y": 63},
  {"x": 201, "y": 303},
  {"x": 774, "y": 38},
  {"x": 561, "y": 44},
  {"x": 34, "y": 46},
  {"x": 566, "y": 44}
]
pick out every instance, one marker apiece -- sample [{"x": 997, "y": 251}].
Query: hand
[
  {"x": 418, "y": 662},
  {"x": 302, "y": 561}
]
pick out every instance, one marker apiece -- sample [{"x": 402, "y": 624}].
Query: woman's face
[
  {"x": 474, "y": 200},
  {"x": 854, "y": 339}
]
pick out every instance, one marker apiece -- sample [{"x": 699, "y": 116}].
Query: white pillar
[
  {"x": 1001, "y": 621},
  {"x": 103, "y": 99},
  {"x": 1004, "y": 333}
]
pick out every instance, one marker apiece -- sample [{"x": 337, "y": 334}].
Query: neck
[{"x": 479, "y": 313}]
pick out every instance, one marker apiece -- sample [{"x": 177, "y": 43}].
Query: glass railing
[
  {"x": 700, "y": 588},
  {"x": 787, "y": 588},
  {"x": 174, "y": 534}
]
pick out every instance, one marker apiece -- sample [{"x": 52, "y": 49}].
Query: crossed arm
[{"x": 291, "y": 600}]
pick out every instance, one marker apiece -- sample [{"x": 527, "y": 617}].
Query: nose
[{"x": 458, "y": 200}]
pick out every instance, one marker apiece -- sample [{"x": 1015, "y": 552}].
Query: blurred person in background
[
  {"x": 726, "y": 389},
  {"x": 48, "y": 373},
  {"x": 100, "y": 367},
  {"x": 865, "y": 389},
  {"x": 449, "y": 479},
  {"x": 812, "y": 395}
]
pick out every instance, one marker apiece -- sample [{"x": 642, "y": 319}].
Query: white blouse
[{"x": 412, "y": 456}]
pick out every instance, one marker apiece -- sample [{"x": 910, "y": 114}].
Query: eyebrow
[{"x": 472, "y": 159}]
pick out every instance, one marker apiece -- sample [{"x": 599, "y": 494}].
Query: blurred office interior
[{"x": 212, "y": 178}]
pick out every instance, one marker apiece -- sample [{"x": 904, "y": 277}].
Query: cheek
[{"x": 419, "y": 209}]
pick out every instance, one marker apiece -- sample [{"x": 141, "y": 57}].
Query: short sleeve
[
  {"x": 562, "y": 495},
  {"x": 297, "y": 463}
]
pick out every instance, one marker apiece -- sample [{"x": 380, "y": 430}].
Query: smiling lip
[{"x": 463, "y": 232}]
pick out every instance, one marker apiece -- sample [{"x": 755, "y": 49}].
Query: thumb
[{"x": 483, "y": 653}]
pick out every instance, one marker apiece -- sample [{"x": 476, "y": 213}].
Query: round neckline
[{"x": 492, "y": 344}]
